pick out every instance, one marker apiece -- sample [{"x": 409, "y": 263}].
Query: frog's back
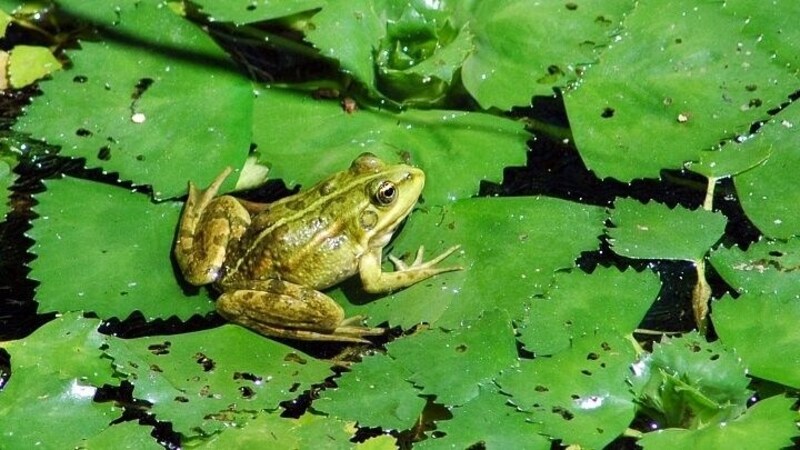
[{"x": 304, "y": 239}]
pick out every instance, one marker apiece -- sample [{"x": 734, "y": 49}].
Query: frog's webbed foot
[
  {"x": 287, "y": 310},
  {"x": 376, "y": 281}
]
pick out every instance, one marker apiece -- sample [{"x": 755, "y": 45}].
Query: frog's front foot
[
  {"x": 420, "y": 265},
  {"x": 377, "y": 281}
]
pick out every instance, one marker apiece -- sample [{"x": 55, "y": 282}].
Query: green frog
[{"x": 271, "y": 261}]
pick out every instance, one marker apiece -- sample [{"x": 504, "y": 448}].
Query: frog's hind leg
[
  {"x": 206, "y": 227},
  {"x": 282, "y": 309}
]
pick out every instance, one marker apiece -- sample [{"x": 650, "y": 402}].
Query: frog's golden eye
[{"x": 386, "y": 193}]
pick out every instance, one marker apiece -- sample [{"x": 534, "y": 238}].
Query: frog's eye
[{"x": 386, "y": 193}]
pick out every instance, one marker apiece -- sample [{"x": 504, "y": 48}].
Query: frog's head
[{"x": 391, "y": 191}]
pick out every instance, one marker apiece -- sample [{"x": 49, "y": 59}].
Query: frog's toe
[{"x": 420, "y": 263}]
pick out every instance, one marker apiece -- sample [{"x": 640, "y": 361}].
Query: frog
[{"x": 271, "y": 262}]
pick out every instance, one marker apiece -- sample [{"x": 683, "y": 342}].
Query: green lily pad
[
  {"x": 655, "y": 231},
  {"x": 203, "y": 381},
  {"x": 374, "y": 393},
  {"x": 510, "y": 65},
  {"x": 141, "y": 106},
  {"x": 681, "y": 78},
  {"x": 761, "y": 323},
  {"x": 732, "y": 159},
  {"x": 348, "y": 32},
  {"x": 762, "y": 328},
  {"x": 511, "y": 248},
  {"x": 580, "y": 395},
  {"x": 486, "y": 420},
  {"x": 770, "y": 423},
  {"x": 477, "y": 352},
  {"x": 447, "y": 145},
  {"x": 56, "y": 372},
  {"x": 768, "y": 193},
  {"x": 579, "y": 305},
  {"x": 107, "y": 250}
]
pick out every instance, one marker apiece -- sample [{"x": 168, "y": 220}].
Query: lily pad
[
  {"x": 766, "y": 312},
  {"x": 768, "y": 193},
  {"x": 204, "y": 381},
  {"x": 755, "y": 322},
  {"x": 445, "y": 144},
  {"x": 478, "y": 352},
  {"x": 123, "y": 435},
  {"x": 510, "y": 65},
  {"x": 486, "y": 420},
  {"x": 580, "y": 395},
  {"x": 348, "y": 32},
  {"x": 140, "y": 106},
  {"x": 107, "y": 252},
  {"x": 374, "y": 393},
  {"x": 579, "y": 305},
  {"x": 511, "y": 248},
  {"x": 682, "y": 77},
  {"x": 655, "y": 231},
  {"x": 56, "y": 372}
]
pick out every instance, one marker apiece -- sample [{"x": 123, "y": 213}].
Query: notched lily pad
[
  {"x": 766, "y": 312},
  {"x": 149, "y": 119},
  {"x": 107, "y": 250},
  {"x": 204, "y": 381},
  {"x": 579, "y": 395},
  {"x": 700, "y": 78},
  {"x": 654, "y": 231},
  {"x": 477, "y": 352},
  {"x": 510, "y": 249},
  {"x": 581, "y": 304},
  {"x": 7, "y": 178},
  {"x": 442, "y": 143},
  {"x": 55, "y": 374},
  {"x": 270, "y": 430},
  {"x": 768, "y": 193},
  {"x": 374, "y": 393},
  {"x": 486, "y": 420}
]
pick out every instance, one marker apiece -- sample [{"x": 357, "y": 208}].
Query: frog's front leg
[
  {"x": 206, "y": 228},
  {"x": 375, "y": 280},
  {"x": 283, "y": 309}
]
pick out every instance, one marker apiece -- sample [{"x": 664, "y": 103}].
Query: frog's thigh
[
  {"x": 201, "y": 252},
  {"x": 280, "y": 304}
]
